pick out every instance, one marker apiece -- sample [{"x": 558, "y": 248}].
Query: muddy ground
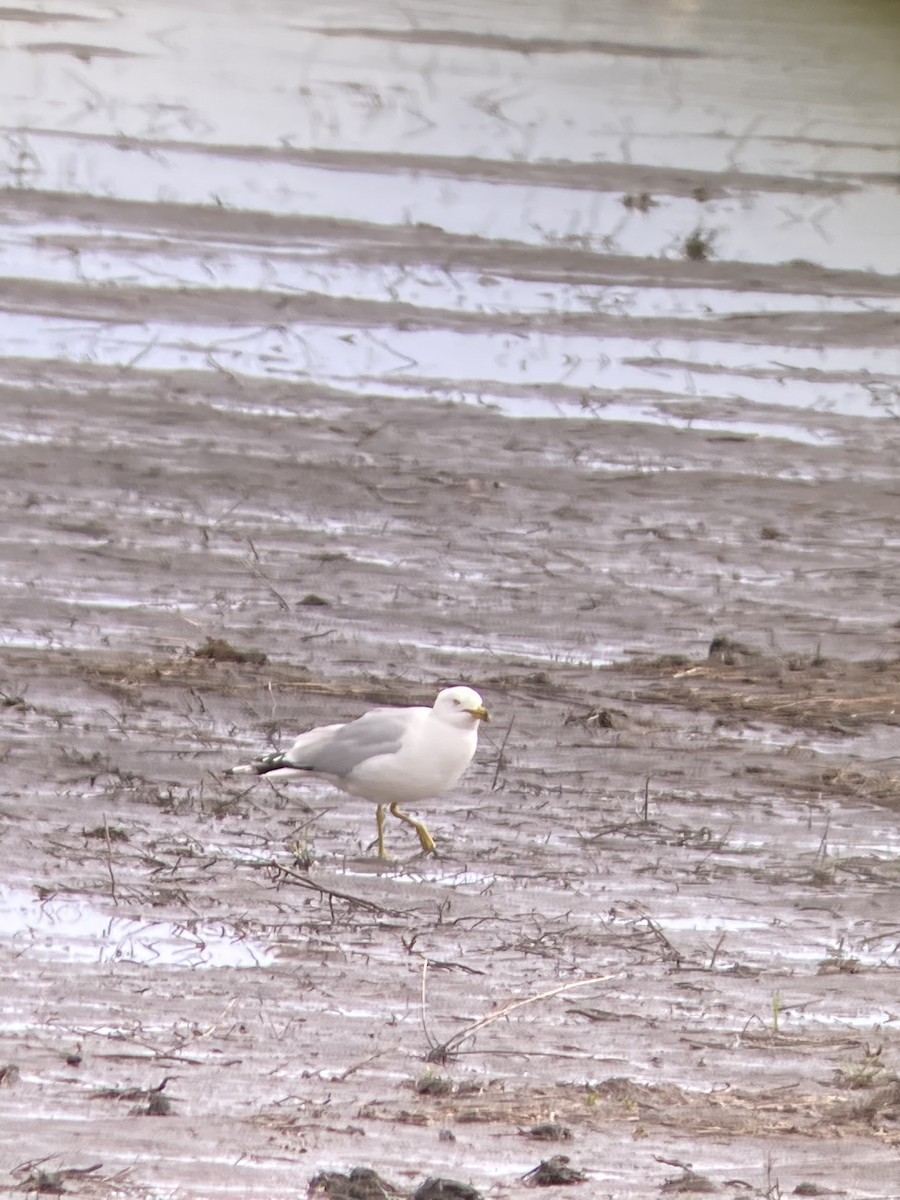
[
  {"x": 704, "y": 843},
  {"x": 642, "y": 496}
]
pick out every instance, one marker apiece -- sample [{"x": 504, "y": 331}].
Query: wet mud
[
  {"x": 686, "y": 804},
  {"x": 265, "y": 466}
]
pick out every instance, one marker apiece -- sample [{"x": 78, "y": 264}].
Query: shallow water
[
  {"x": 575, "y": 140},
  {"x": 72, "y": 930}
]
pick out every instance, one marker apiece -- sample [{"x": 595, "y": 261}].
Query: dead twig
[
  {"x": 432, "y": 1044},
  {"x": 342, "y": 1075},
  {"x": 442, "y": 1052},
  {"x": 716, "y": 949},
  {"x": 669, "y": 951},
  {"x": 281, "y": 874},
  {"x": 50, "y": 1182},
  {"x": 500, "y": 762},
  {"x": 212, "y": 1028},
  {"x": 266, "y": 582},
  {"x": 109, "y": 863}
]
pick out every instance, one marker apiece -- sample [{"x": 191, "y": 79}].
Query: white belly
[{"x": 417, "y": 772}]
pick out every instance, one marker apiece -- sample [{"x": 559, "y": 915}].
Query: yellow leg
[
  {"x": 380, "y": 817},
  {"x": 426, "y": 840}
]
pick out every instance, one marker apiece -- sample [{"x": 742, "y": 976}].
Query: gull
[{"x": 393, "y": 756}]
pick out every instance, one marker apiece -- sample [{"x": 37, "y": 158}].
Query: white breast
[{"x": 431, "y": 759}]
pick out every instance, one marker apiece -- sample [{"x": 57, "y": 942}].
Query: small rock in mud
[
  {"x": 435, "y": 1085},
  {"x": 9, "y": 1073},
  {"x": 554, "y": 1171},
  {"x": 548, "y": 1131},
  {"x": 219, "y": 650},
  {"x": 361, "y": 1184},
  {"x": 445, "y": 1189}
]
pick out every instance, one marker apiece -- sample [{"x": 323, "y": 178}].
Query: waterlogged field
[{"x": 349, "y": 353}]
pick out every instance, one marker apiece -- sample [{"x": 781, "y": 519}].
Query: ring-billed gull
[{"x": 390, "y": 755}]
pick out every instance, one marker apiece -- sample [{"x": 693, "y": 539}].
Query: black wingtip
[{"x": 272, "y": 762}]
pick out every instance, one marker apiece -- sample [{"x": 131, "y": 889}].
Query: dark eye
[{"x": 456, "y": 702}]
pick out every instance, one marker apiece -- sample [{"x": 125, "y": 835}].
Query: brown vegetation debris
[
  {"x": 736, "y": 682},
  {"x": 445, "y": 1189},
  {"x": 552, "y": 1172},
  {"x": 548, "y": 1131},
  {"x": 362, "y": 1183},
  {"x": 687, "y": 1182},
  {"x": 218, "y": 650},
  {"x": 868, "y": 1071}
]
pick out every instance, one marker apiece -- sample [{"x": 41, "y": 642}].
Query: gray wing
[{"x": 377, "y": 732}]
